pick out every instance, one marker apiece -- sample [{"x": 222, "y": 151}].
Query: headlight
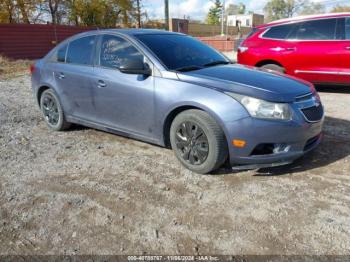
[{"x": 263, "y": 109}]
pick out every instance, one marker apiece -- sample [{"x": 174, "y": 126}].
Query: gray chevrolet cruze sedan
[{"x": 172, "y": 90}]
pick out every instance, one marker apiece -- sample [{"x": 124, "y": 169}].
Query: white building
[{"x": 249, "y": 20}]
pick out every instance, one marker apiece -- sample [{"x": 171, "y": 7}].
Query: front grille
[{"x": 313, "y": 114}]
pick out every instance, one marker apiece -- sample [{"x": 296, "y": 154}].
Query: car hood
[{"x": 249, "y": 81}]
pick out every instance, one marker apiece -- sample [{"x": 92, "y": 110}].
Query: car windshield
[{"x": 181, "y": 52}]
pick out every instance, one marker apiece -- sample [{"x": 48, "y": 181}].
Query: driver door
[{"x": 123, "y": 101}]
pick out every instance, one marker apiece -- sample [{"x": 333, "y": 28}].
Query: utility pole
[
  {"x": 138, "y": 13},
  {"x": 166, "y": 11},
  {"x": 223, "y": 18}
]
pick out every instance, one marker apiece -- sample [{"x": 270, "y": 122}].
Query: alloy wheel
[
  {"x": 192, "y": 143},
  {"x": 50, "y": 110}
]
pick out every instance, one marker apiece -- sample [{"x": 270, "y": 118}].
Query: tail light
[
  {"x": 32, "y": 68},
  {"x": 243, "y": 46},
  {"x": 242, "y": 49}
]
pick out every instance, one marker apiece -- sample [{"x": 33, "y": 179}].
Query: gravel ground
[{"x": 89, "y": 192}]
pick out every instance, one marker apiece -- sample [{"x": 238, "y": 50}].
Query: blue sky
[{"x": 197, "y": 9}]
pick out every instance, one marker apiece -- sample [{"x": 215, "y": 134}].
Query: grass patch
[{"x": 11, "y": 68}]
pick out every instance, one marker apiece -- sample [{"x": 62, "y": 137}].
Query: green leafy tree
[{"x": 214, "y": 15}]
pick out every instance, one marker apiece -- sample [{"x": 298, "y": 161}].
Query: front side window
[
  {"x": 280, "y": 32},
  {"x": 323, "y": 29},
  {"x": 116, "y": 50},
  {"x": 80, "y": 51},
  {"x": 347, "y": 28},
  {"x": 181, "y": 52}
]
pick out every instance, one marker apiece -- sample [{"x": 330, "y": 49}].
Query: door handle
[
  {"x": 291, "y": 49},
  {"x": 61, "y": 76},
  {"x": 347, "y": 48},
  {"x": 101, "y": 83}
]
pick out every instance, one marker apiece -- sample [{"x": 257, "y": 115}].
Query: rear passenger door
[
  {"x": 73, "y": 77},
  {"x": 344, "y": 43}
]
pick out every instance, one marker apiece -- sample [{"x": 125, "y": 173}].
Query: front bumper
[{"x": 298, "y": 135}]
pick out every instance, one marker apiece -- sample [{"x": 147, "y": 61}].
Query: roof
[
  {"x": 304, "y": 18},
  {"x": 138, "y": 31}
]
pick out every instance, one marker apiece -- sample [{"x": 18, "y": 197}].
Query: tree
[
  {"x": 341, "y": 8},
  {"x": 235, "y": 9},
  {"x": 20, "y": 11},
  {"x": 101, "y": 13},
  {"x": 313, "y": 8},
  {"x": 138, "y": 9},
  {"x": 278, "y": 9},
  {"x": 214, "y": 15},
  {"x": 231, "y": 9},
  {"x": 7, "y": 12},
  {"x": 56, "y": 9},
  {"x": 241, "y": 8},
  {"x": 275, "y": 9}
]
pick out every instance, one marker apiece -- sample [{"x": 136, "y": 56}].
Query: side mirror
[{"x": 135, "y": 66}]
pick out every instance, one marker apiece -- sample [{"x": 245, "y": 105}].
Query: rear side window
[
  {"x": 280, "y": 32},
  {"x": 80, "y": 51},
  {"x": 323, "y": 29},
  {"x": 251, "y": 33},
  {"x": 61, "y": 54},
  {"x": 347, "y": 28},
  {"x": 115, "y": 50}
]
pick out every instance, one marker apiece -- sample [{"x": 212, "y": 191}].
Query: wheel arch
[
  {"x": 268, "y": 61},
  {"x": 40, "y": 91},
  {"x": 181, "y": 108}
]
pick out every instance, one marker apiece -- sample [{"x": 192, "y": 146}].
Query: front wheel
[{"x": 198, "y": 141}]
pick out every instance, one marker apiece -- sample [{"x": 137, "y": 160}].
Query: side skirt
[{"x": 107, "y": 129}]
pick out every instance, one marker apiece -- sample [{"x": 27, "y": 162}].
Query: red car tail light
[{"x": 32, "y": 68}]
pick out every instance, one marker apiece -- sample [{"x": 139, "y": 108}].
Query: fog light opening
[
  {"x": 281, "y": 148},
  {"x": 269, "y": 149}
]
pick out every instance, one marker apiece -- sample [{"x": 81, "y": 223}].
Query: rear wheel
[
  {"x": 52, "y": 111},
  {"x": 198, "y": 141},
  {"x": 274, "y": 67}
]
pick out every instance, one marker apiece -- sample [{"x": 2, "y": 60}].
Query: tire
[
  {"x": 274, "y": 67},
  {"x": 52, "y": 111},
  {"x": 198, "y": 141}
]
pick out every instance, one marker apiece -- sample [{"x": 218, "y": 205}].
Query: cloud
[
  {"x": 195, "y": 9},
  {"x": 257, "y": 6}
]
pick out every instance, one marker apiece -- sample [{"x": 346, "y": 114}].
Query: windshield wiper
[
  {"x": 220, "y": 62},
  {"x": 188, "y": 68}
]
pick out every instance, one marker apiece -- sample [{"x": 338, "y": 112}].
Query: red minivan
[{"x": 314, "y": 48}]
